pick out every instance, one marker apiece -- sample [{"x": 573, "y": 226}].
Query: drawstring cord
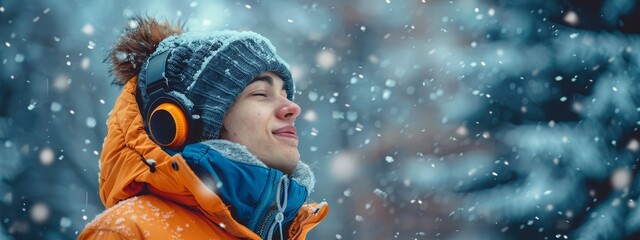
[
  {"x": 151, "y": 163},
  {"x": 281, "y": 204}
]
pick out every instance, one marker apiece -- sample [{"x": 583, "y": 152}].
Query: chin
[
  {"x": 290, "y": 154},
  {"x": 290, "y": 166},
  {"x": 285, "y": 163}
]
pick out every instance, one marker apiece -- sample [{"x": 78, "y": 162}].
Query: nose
[{"x": 288, "y": 110}]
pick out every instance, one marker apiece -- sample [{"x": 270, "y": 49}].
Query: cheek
[{"x": 249, "y": 124}]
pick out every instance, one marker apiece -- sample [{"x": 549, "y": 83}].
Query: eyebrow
[{"x": 267, "y": 79}]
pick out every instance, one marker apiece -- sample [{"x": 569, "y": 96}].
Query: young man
[{"x": 201, "y": 142}]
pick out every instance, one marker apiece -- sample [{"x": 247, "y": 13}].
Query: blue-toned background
[{"x": 422, "y": 119}]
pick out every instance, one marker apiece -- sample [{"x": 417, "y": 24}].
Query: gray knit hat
[{"x": 208, "y": 70}]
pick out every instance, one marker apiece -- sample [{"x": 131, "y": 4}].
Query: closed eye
[{"x": 259, "y": 93}]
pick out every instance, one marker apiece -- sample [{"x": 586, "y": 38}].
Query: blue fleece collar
[
  {"x": 247, "y": 185},
  {"x": 302, "y": 174}
]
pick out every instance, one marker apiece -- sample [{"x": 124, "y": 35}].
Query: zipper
[
  {"x": 263, "y": 227},
  {"x": 266, "y": 205},
  {"x": 279, "y": 207}
]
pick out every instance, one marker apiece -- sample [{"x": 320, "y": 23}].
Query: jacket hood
[{"x": 131, "y": 163}]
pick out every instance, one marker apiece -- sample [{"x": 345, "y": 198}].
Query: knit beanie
[
  {"x": 208, "y": 70},
  {"x": 211, "y": 69}
]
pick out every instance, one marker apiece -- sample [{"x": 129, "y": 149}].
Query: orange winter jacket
[{"x": 170, "y": 202}]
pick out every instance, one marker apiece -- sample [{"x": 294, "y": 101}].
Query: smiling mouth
[{"x": 288, "y": 132}]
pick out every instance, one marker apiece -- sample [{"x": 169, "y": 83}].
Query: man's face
[{"x": 262, "y": 119}]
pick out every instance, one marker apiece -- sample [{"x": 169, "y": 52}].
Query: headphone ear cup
[{"x": 168, "y": 125}]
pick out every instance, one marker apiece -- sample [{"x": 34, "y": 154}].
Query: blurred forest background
[{"x": 422, "y": 119}]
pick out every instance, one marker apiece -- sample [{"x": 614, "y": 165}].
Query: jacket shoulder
[
  {"x": 125, "y": 220},
  {"x": 140, "y": 217},
  {"x": 152, "y": 217},
  {"x": 101, "y": 234}
]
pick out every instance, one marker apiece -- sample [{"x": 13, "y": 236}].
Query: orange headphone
[{"x": 169, "y": 121}]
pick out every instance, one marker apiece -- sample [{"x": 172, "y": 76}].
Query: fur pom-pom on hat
[{"x": 140, "y": 39}]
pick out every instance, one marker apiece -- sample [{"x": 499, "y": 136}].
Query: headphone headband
[{"x": 155, "y": 73}]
